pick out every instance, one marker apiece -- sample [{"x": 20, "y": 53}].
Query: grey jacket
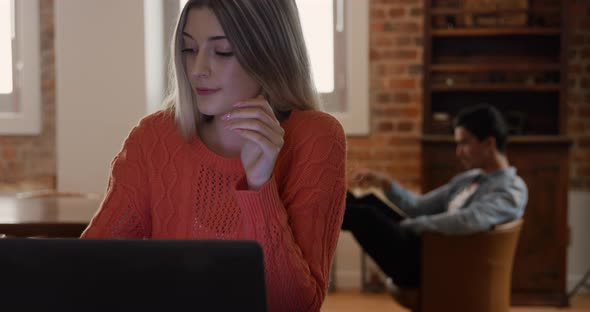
[{"x": 500, "y": 197}]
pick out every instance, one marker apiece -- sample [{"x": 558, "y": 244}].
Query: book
[{"x": 375, "y": 196}]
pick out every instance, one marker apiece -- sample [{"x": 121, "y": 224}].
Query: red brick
[
  {"x": 377, "y": 27},
  {"x": 405, "y": 126},
  {"x": 403, "y": 141},
  {"x": 385, "y": 126},
  {"x": 408, "y": 27},
  {"x": 374, "y": 55},
  {"x": 397, "y": 12},
  {"x": 400, "y": 54},
  {"x": 401, "y": 97},
  {"x": 383, "y": 155},
  {"x": 383, "y": 41},
  {"x": 397, "y": 69},
  {"x": 379, "y": 84},
  {"x": 408, "y": 83},
  {"x": 416, "y": 12},
  {"x": 377, "y": 14},
  {"x": 404, "y": 41},
  {"x": 398, "y": 112}
]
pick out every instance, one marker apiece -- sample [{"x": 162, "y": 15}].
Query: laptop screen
[{"x": 131, "y": 275}]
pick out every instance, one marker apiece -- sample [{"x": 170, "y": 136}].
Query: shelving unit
[{"x": 512, "y": 55}]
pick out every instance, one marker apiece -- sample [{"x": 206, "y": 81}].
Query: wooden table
[{"x": 45, "y": 217}]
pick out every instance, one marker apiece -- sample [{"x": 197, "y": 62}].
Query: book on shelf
[{"x": 375, "y": 196}]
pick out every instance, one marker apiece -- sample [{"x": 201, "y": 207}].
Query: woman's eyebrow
[{"x": 210, "y": 38}]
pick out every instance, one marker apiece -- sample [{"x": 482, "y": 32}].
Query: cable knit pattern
[{"x": 162, "y": 187}]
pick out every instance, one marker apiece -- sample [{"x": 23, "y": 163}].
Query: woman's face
[{"x": 216, "y": 77}]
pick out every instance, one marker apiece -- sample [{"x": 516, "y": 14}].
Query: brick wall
[
  {"x": 579, "y": 94},
  {"x": 29, "y": 161},
  {"x": 395, "y": 92}
]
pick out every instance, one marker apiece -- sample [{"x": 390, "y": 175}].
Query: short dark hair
[{"x": 484, "y": 121}]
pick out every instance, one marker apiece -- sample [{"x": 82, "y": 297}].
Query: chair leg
[{"x": 584, "y": 282}]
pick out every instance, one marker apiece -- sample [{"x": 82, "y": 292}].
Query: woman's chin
[{"x": 209, "y": 112}]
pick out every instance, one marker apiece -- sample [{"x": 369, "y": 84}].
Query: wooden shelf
[
  {"x": 493, "y": 67},
  {"x": 493, "y": 31},
  {"x": 514, "y": 59},
  {"x": 496, "y": 87},
  {"x": 461, "y": 11},
  {"x": 516, "y": 139}
]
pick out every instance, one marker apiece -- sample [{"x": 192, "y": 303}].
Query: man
[{"x": 488, "y": 193}]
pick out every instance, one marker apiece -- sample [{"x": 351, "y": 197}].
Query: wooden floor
[{"x": 349, "y": 301}]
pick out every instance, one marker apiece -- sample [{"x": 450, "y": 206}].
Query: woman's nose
[{"x": 201, "y": 68}]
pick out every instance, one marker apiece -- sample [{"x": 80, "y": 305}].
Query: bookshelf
[{"x": 510, "y": 54}]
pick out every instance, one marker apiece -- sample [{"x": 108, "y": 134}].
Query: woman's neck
[{"x": 222, "y": 142}]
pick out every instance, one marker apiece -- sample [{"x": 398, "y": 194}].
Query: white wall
[
  {"x": 578, "y": 258},
  {"x": 100, "y": 86}
]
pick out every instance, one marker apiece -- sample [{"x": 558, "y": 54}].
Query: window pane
[
  {"x": 5, "y": 47},
  {"x": 317, "y": 20}
]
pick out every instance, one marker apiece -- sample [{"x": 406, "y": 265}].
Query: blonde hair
[{"x": 268, "y": 43}]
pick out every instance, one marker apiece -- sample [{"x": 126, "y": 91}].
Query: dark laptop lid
[{"x": 131, "y": 275}]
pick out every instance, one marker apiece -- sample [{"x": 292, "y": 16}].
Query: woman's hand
[{"x": 255, "y": 121}]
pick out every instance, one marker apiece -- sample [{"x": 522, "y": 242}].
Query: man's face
[{"x": 471, "y": 152}]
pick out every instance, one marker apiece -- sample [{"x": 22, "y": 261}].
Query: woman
[{"x": 240, "y": 152}]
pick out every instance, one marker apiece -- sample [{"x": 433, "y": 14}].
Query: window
[
  {"x": 336, "y": 35},
  {"x": 20, "y": 81},
  {"x": 6, "y": 45}
]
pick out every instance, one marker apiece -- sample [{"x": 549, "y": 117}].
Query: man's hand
[
  {"x": 255, "y": 121},
  {"x": 368, "y": 178}
]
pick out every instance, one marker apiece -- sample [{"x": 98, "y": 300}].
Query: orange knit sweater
[{"x": 162, "y": 187}]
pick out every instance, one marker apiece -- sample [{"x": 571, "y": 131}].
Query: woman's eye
[
  {"x": 188, "y": 50},
  {"x": 224, "y": 54}
]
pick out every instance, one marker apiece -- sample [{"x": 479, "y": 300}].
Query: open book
[{"x": 374, "y": 195}]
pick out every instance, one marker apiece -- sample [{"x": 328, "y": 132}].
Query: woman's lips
[{"x": 206, "y": 91}]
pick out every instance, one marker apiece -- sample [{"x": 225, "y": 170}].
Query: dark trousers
[{"x": 396, "y": 250}]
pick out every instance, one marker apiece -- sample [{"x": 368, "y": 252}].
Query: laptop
[{"x": 131, "y": 275}]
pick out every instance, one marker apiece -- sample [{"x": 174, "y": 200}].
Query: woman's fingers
[
  {"x": 258, "y": 102},
  {"x": 267, "y": 146},
  {"x": 255, "y": 116},
  {"x": 254, "y": 128}
]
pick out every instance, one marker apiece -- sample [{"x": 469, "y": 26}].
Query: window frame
[
  {"x": 355, "y": 120},
  {"x": 27, "y": 73}
]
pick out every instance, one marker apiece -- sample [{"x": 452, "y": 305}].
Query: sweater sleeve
[
  {"x": 497, "y": 206},
  {"x": 122, "y": 212},
  {"x": 415, "y": 205},
  {"x": 298, "y": 229}
]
